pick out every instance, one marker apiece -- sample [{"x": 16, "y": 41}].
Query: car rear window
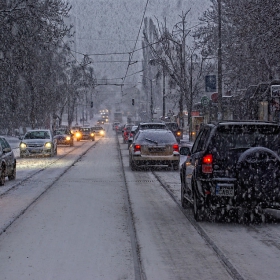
[
  {"x": 247, "y": 136},
  {"x": 152, "y": 126},
  {"x": 172, "y": 126},
  {"x": 161, "y": 137}
]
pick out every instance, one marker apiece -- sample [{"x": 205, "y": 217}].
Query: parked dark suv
[{"x": 233, "y": 171}]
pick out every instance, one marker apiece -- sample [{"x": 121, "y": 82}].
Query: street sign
[
  {"x": 204, "y": 101},
  {"x": 275, "y": 91},
  {"x": 210, "y": 83}
]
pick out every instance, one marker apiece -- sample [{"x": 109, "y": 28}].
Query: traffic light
[
  {"x": 132, "y": 101},
  {"x": 91, "y": 104}
]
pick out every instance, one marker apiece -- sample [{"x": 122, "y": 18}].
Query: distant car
[
  {"x": 233, "y": 171},
  {"x": 115, "y": 124},
  {"x": 100, "y": 121},
  {"x": 8, "y": 162},
  {"x": 85, "y": 133},
  {"x": 154, "y": 147},
  {"x": 174, "y": 127},
  {"x": 131, "y": 135},
  {"x": 38, "y": 142},
  {"x": 105, "y": 117},
  {"x": 125, "y": 132},
  {"x": 74, "y": 129},
  {"x": 64, "y": 136},
  {"x": 98, "y": 130}
]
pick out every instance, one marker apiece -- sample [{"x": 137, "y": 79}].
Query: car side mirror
[{"x": 20, "y": 137}]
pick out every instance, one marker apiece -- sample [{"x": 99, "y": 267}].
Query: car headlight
[
  {"x": 23, "y": 145},
  {"x": 92, "y": 134},
  {"x": 102, "y": 132},
  {"x": 68, "y": 138},
  {"x": 48, "y": 145},
  {"x": 78, "y": 134}
]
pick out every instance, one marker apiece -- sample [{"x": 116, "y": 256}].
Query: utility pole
[
  {"x": 191, "y": 96},
  {"x": 220, "y": 76},
  {"x": 163, "y": 92},
  {"x": 183, "y": 74}
]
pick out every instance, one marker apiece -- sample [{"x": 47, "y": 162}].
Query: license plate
[
  {"x": 156, "y": 150},
  {"x": 224, "y": 190}
]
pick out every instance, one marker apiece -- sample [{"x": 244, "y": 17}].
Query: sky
[{"x": 112, "y": 26}]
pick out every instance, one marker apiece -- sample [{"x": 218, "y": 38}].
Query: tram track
[
  {"x": 48, "y": 165},
  {"x": 220, "y": 255},
  {"x": 138, "y": 268},
  {"x": 22, "y": 208}
]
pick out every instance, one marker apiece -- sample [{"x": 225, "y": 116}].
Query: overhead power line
[{"x": 131, "y": 55}]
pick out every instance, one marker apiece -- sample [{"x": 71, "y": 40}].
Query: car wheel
[
  {"x": 12, "y": 176},
  {"x": 2, "y": 176},
  {"x": 21, "y": 155},
  {"x": 132, "y": 165},
  {"x": 197, "y": 209},
  {"x": 71, "y": 144},
  {"x": 175, "y": 166},
  {"x": 184, "y": 202},
  {"x": 52, "y": 153}
]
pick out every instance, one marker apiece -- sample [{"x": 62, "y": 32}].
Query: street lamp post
[{"x": 152, "y": 100}]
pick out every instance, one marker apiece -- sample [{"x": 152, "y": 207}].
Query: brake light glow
[
  {"x": 175, "y": 148},
  {"x": 137, "y": 148},
  {"x": 207, "y": 163}
]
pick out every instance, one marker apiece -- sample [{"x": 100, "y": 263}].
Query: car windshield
[
  {"x": 37, "y": 135},
  {"x": 247, "y": 136},
  {"x": 158, "y": 137},
  {"x": 60, "y": 132}
]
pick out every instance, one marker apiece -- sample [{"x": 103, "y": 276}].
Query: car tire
[
  {"x": 175, "y": 166},
  {"x": 197, "y": 211},
  {"x": 2, "y": 176},
  {"x": 52, "y": 153},
  {"x": 132, "y": 165},
  {"x": 71, "y": 144},
  {"x": 184, "y": 202},
  {"x": 21, "y": 155},
  {"x": 12, "y": 176}
]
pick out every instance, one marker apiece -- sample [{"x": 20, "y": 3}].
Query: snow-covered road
[{"x": 77, "y": 216}]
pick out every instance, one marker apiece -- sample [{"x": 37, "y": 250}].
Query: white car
[{"x": 38, "y": 142}]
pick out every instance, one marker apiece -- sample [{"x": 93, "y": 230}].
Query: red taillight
[
  {"x": 131, "y": 134},
  {"x": 175, "y": 148},
  {"x": 207, "y": 166},
  {"x": 137, "y": 148}
]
